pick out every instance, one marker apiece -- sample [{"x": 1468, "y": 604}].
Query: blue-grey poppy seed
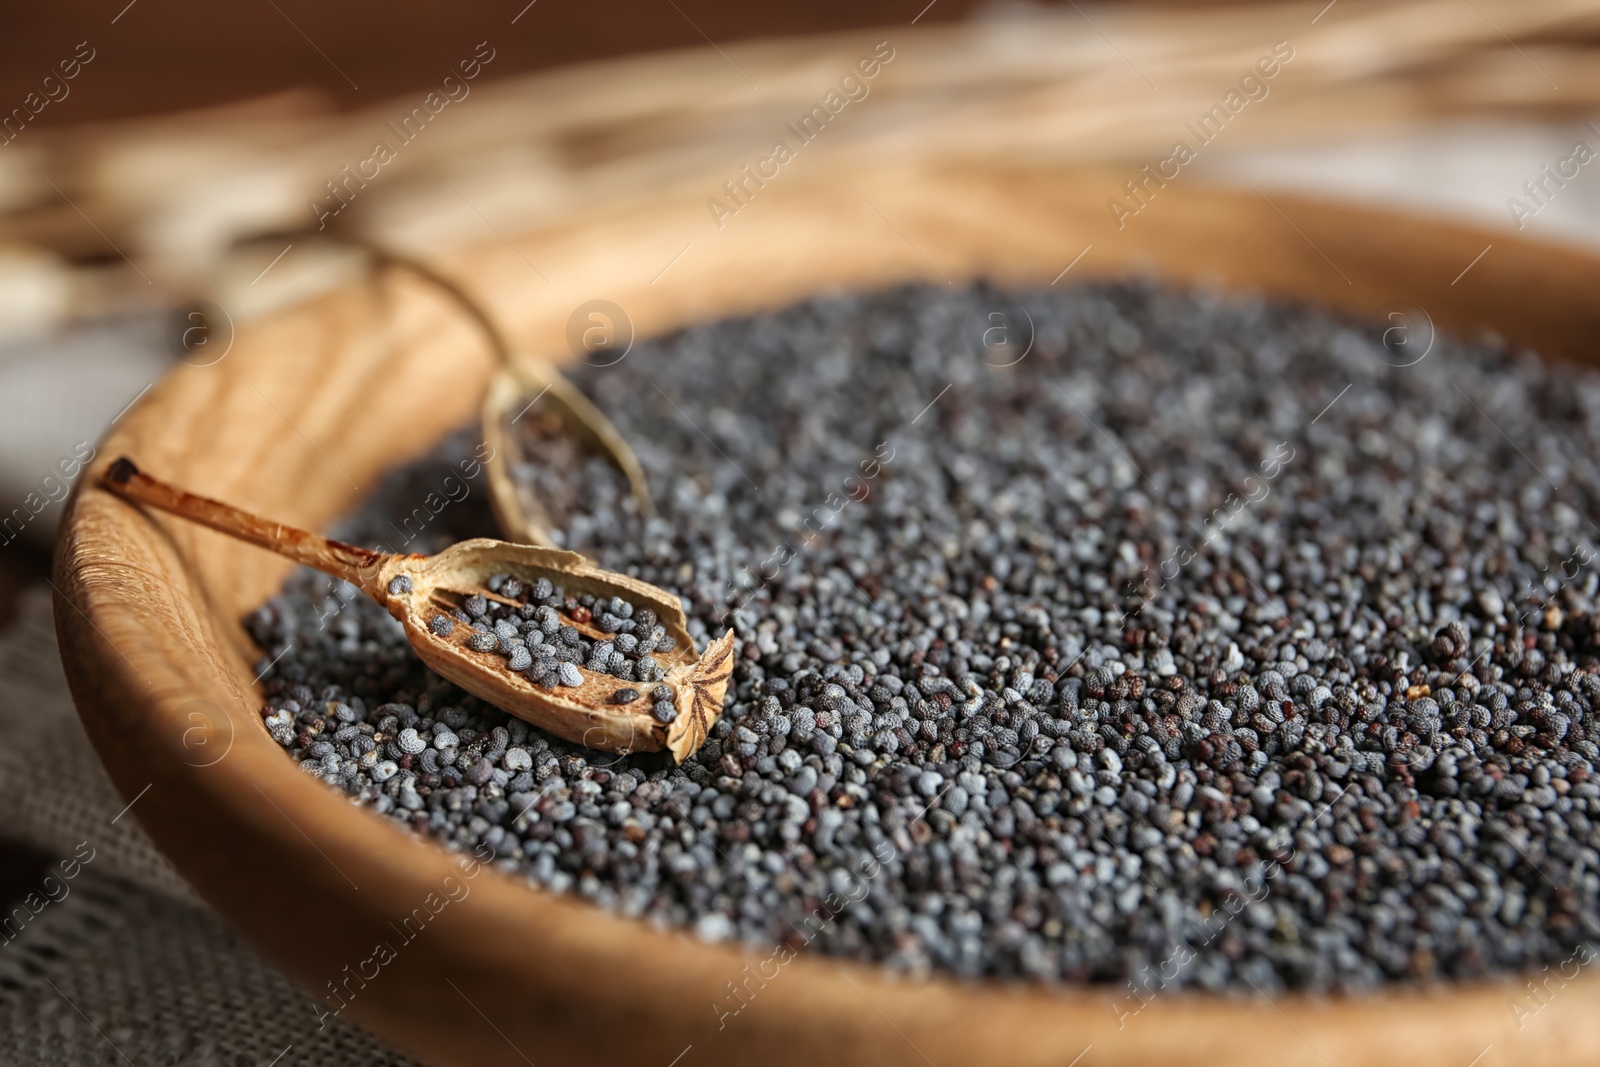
[
  {"x": 443, "y": 625},
  {"x": 400, "y": 583},
  {"x": 1377, "y": 720},
  {"x": 483, "y": 642},
  {"x": 569, "y": 676}
]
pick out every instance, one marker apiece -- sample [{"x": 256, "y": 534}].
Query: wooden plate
[{"x": 309, "y": 408}]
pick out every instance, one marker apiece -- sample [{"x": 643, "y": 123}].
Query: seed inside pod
[
  {"x": 548, "y": 454},
  {"x": 561, "y": 625},
  {"x": 535, "y": 627},
  {"x": 543, "y": 427}
]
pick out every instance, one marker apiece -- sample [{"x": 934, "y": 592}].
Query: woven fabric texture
[{"x": 111, "y": 959}]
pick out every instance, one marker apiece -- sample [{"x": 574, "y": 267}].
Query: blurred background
[{"x": 166, "y": 167}]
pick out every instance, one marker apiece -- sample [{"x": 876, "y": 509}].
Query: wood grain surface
[{"x": 311, "y": 406}]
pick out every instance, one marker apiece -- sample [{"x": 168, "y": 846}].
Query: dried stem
[
  {"x": 359, "y": 566},
  {"x": 497, "y": 339}
]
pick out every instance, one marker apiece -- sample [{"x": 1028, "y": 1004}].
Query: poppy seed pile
[
  {"x": 529, "y": 626},
  {"x": 1199, "y": 646}
]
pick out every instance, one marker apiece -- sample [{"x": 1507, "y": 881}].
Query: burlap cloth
[{"x": 120, "y": 963}]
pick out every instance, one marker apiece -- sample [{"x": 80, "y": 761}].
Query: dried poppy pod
[
  {"x": 533, "y": 398},
  {"x": 527, "y": 395},
  {"x": 418, "y": 589}
]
